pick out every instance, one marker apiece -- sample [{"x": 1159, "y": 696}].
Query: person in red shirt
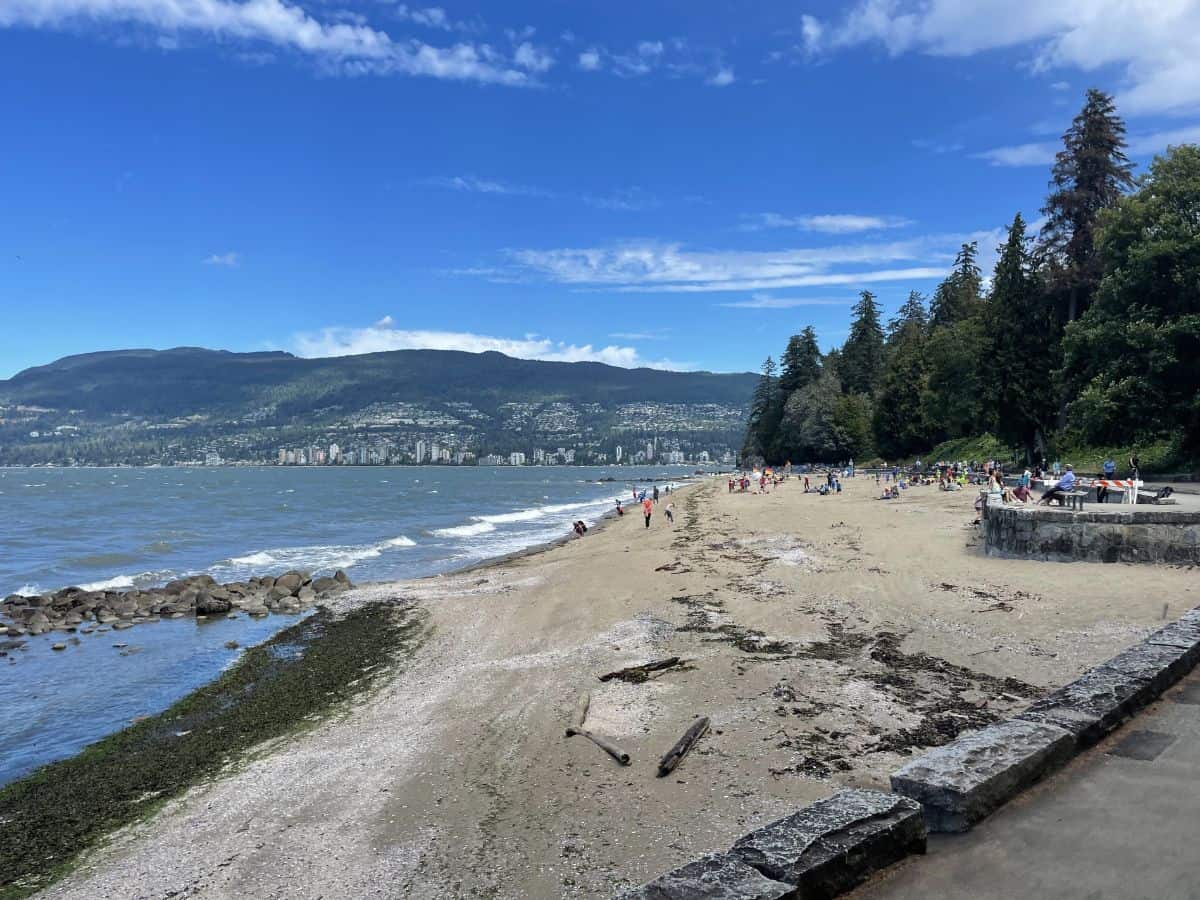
[{"x": 647, "y": 510}]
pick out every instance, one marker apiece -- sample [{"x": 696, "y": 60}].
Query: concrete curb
[
  {"x": 820, "y": 851},
  {"x": 962, "y": 782}
]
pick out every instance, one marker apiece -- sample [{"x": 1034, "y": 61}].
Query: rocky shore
[{"x": 75, "y": 609}]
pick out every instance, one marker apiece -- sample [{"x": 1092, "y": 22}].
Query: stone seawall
[{"x": 1049, "y": 533}]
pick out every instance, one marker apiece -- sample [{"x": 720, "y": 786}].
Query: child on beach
[
  {"x": 670, "y": 511},
  {"x": 647, "y": 510}
]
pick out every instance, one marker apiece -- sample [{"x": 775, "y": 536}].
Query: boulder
[
  {"x": 836, "y": 843},
  {"x": 719, "y": 876},
  {"x": 327, "y": 585},
  {"x": 343, "y": 578},
  {"x": 58, "y": 646},
  {"x": 255, "y": 609},
  {"x": 208, "y": 605},
  {"x": 278, "y": 592},
  {"x": 290, "y": 582},
  {"x": 178, "y": 586},
  {"x": 219, "y": 592},
  {"x": 962, "y": 782},
  {"x": 38, "y": 623},
  {"x": 307, "y": 596}
]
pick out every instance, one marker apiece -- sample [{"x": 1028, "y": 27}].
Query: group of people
[{"x": 648, "y": 501}]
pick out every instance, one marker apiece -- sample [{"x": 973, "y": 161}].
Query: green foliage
[
  {"x": 801, "y": 362},
  {"x": 1104, "y": 311},
  {"x": 1130, "y": 363},
  {"x": 808, "y": 427},
  {"x": 1023, "y": 352},
  {"x": 1090, "y": 173},
  {"x": 861, "y": 364},
  {"x": 765, "y": 412},
  {"x": 852, "y": 418},
  {"x": 958, "y": 297},
  {"x": 979, "y": 448},
  {"x": 956, "y": 399}
]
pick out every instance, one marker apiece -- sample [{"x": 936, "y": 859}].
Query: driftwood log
[
  {"x": 580, "y": 715},
  {"x": 603, "y": 743},
  {"x": 682, "y": 747},
  {"x": 638, "y": 674}
]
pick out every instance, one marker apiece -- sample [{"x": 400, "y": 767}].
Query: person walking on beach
[
  {"x": 670, "y": 511},
  {"x": 647, "y": 510},
  {"x": 656, "y": 493}
]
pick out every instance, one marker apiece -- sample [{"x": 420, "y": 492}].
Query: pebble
[{"x": 58, "y": 646}]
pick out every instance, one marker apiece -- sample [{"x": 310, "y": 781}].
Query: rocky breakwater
[{"x": 74, "y": 609}]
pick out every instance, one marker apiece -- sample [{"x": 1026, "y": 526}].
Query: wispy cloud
[
  {"x": 472, "y": 184},
  {"x": 1035, "y": 154},
  {"x": 826, "y": 224},
  {"x": 723, "y": 77},
  {"x": 383, "y": 336},
  {"x": 632, "y": 199},
  {"x": 1043, "y": 153},
  {"x": 767, "y": 301},
  {"x": 938, "y": 147},
  {"x": 1157, "y": 45},
  {"x": 228, "y": 260},
  {"x": 677, "y": 57},
  {"x": 655, "y": 267},
  {"x": 347, "y": 47}
]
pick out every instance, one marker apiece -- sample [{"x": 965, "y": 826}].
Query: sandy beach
[{"x": 826, "y": 638}]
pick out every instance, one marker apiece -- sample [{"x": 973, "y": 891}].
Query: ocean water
[{"x": 121, "y": 528}]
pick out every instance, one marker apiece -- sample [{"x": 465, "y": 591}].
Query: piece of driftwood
[
  {"x": 603, "y": 743},
  {"x": 682, "y": 746},
  {"x": 638, "y": 674},
  {"x": 580, "y": 714}
]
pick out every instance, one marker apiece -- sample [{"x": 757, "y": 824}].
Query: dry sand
[{"x": 827, "y": 638}]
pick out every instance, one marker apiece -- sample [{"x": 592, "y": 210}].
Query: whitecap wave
[
  {"x": 465, "y": 530},
  {"x": 401, "y": 541},
  {"x": 116, "y": 583},
  {"x": 535, "y": 513},
  {"x": 315, "y": 558}
]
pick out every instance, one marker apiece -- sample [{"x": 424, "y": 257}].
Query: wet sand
[{"x": 826, "y": 637}]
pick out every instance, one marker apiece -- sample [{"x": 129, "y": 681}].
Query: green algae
[{"x": 302, "y": 674}]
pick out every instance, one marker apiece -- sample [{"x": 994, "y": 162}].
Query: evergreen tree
[
  {"x": 1090, "y": 173},
  {"x": 808, "y": 425},
  {"x": 764, "y": 414},
  {"x": 801, "y": 362},
  {"x": 899, "y": 417},
  {"x": 911, "y": 315},
  {"x": 861, "y": 364},
  {"x": 959, "y": 296},
  {"x": 1022, "y": 352},
  {"x": 1130, "y": 362}
]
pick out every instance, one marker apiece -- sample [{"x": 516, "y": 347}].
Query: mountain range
[{"x": 142, "y": 406}]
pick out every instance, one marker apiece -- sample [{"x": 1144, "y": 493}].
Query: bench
[{"x": 1075, "y": 499}]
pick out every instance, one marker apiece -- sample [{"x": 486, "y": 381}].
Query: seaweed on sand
[{"x": 305, "y": 671}]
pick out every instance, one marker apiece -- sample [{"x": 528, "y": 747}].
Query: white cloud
[
  {"x": 767, "y": 301},
  {"x": 626, "y": 200},
  {"x": 1061, "y": 86},
  {"x": 589, "y": 60},
  {"x": 655, "y": 267},
  {"x": 534, "y": 59},
  {"x": 340, "y": 46},
  {"x": 229, "y": 259},
  {"x": 723, "y": 77},
  {"x": 1036, "y": 154},
  {"x": 1155, "y": 43},
  {"x": 474, "y": 185},
  {"x": 1149, "y": 144},
  {"x": 1042, "y": 154},
  {"x": 811, "y": 32},
  {"x": 382, "y": 336},
  {"x": 827, "y": 224}
]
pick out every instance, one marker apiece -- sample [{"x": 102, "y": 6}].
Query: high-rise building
[
  {"x": 516, "y": 459},
  {"x": 619, "y": 452},
  {"x": 419, "y": 453}
]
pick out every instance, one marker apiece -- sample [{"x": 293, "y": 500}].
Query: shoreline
[{"x": 826, "y": 638}]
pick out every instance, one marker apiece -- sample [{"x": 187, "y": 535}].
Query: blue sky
[{"x": 661, "y": 183}]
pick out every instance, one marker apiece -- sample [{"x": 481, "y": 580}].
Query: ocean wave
[
  {"x": 317, "y": 558},
  {"x": 116, "y": 583},
  {"x": 465, "y": 530},
  {"x": 535, "y": 513}
]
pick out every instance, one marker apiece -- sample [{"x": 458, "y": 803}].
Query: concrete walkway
[{"x": 1121, "y": 822}]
